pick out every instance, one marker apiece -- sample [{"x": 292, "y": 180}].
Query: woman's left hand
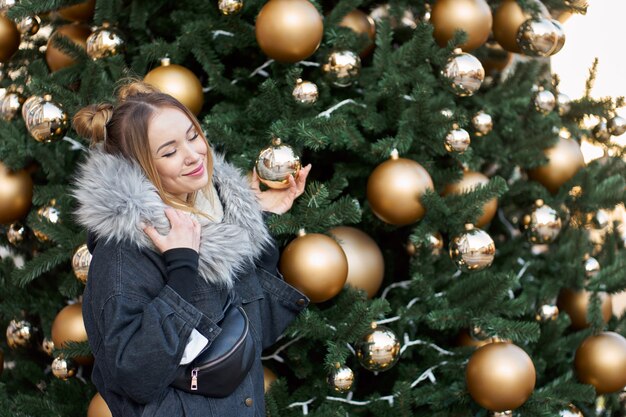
[{"x": 280, "y": 201}]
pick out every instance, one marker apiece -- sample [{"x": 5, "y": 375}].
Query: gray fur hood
[{"x": 115, "y": 197}]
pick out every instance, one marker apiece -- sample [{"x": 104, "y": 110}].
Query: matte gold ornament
[
  {"x": 45, "y": 120},
  {"x": 547, "y": 312},
  {"x": 98, "y": 407},
  {"x": 471, "y": 16},
  {"x": 9, "y": 38},
  {"x": 576, "y": 304},
  {"x": 20, "y": 333},
  {"x": 564, "y": 161},
  {"x": 16, "y": 193},
  {"x": 543, "y": 224},
  {"x": 342, "y": 68},
  {"x": 394, "y": 190},
  {"x": 464, "y": 72},
  {"x": 616, "y": 125},
  {"x": 457, "y": 140},
  {"x": 51, "y": 214},
  {"x": 571, "y": 411},
  {"x": 29, "y": 25},
  {"x": 47, "y": 346},
  {"x": 276, "y": 163},
  {"x": 63, "y": 368},
  {"x": 316, "y": 265},
  {"x": 467, "y": 183},
  {"x": 482, "y": 123},
  {"x": 80, "y": 263},
  {"x": 58, "y": 59},
  {"x": 81, "y": 12},
  {"x": 305, "y": 92},
  {"x": 341, "y": 379},
  {"x": 178, "y": 82},
  {"x": 544, "y": 101},
  {"x": 16, "y": 233},
  {"x": 563, "y": 103},
  {"x": 538, "y": 37},
  {"x": 473, "y": 250},
  {"x": 104, "y": 42},
  {"x": 500, "y": 376},
  {"x": 68, "y": 326},
  {"x": 289, "y": 30},
  {"x": 10, "y": 105},
  {"x": 362, "y": 24},
  {"x": 600, "y": 132},
  {"x": 601, "y": 361},
  {"x": 379, "y": 349},
  {"x": 366, "y": 266},
  {"x": 230, "y": 7},
  {"x": 268, "y": 378},
  {"x": 434, "y": 245}
]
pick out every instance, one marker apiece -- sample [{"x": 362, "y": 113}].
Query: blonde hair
[{"x": 122, "y": 128}]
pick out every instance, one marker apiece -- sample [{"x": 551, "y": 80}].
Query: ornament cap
[
  {"x": 299, "y": 81},
  {"x": 276, "y": 141},
  {"x": 47, "y": 97},
  {"x": 165, "y": 61},
  {"x": 373, "y": 325},
  {"x": 539, "y": 202},
  {"x": 457, "y": 51},
  {"x": 455, "y": 126},
  {"x": 394, "y": 154},
  {"x": 469, "y": 226}
]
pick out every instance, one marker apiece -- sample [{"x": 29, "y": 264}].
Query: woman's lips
[{"x": 196, "y": 172}]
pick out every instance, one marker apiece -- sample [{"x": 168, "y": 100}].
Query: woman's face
[{"x": 179, "y": 152}]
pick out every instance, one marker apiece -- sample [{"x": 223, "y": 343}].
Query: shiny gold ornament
[
  {"x": 366, "y": 266},
  {"x": 58, "y": 59},
  {"x": 20, "y": 333},
  {"x": 592, "y": 267},
  {"x": 538, "y": 37},
  {"x": 544, "y": 101},
  {"x": 316, "y": 265},
  {"x": 10, "y": 105},
  {"x": 46, "y": 120},
  {"x": 276, "y": 163},
  {"x": 473, "y": 250},
  {"x": 600, "y": 132},
  {"x": 394, "y": 190},
  {"x": 98, "y": 407},
  {"x": 560, "y": 36},
  {"x": 362, "y": 24},
  {"x": 230, "y": 7},
  {"x": 289, "y": 30},
  {"x": 81, "y": 12},
  {"x": 500, "y": 376},
  {"x": 563, "y": 103},
  {"x": 16, "y": 233},
  {"x": 564, "y": 161},
  {"x": 63, "y": 368},
  {"x": 16, "y": 193},
  {"x": 29, "y": 25},
  {"x": 471, "y": 16},
  {"x": 546, "y": 313},
  {"x": 467, "y": 183},
  {"x": 105, "y": 41},
  {"x": 342, "y": 68},
  {"x": 268, "y": 378},
  {"x": 576, "y": 304},
  {"x": 483, "y": 123},
  {"x": 341, "y": 379},
  {"x": 601, "y": 361},
  {"x": 457, "y": 140},
  {"x": 507, "y": 20},
  {"x": 616, "y": 125},
  {"x": 543, "y": 224},
  {"x": 68, "y": 326},
  {"x": 464, "y": 72},
  {"x": 51, "y": 214},
  {"x": 434, "y": 245},
  {"x": 80, "y": 263},
  {"x": 47, "y": 346},
  {"x": 379, "y": 349},
  {"x": 9, "y": 38},
  {"x": 571, "y": 411},
  {"x": 178, "y": 82},
  {"x": 305, "y": 92}
]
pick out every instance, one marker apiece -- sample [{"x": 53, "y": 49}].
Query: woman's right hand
[{"x": 184, "y": 232}]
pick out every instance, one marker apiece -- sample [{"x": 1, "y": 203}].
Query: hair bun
[
  {"x": 90, "y": 122},
  {"x": 135, "y": 88}
]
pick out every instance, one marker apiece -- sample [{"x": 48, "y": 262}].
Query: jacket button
[
  {"x": 301, "y": 302},
  {"x": 248, "y": 402}
]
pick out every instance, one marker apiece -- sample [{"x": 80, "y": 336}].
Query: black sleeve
[{"x": 182, "y": 269}]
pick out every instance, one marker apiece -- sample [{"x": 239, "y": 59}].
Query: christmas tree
[{"x": 469, "y": 252}]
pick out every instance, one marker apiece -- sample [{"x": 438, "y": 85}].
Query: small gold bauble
[
  {"x": 10, "y": 105},
  {"x": 230, "y": 7},
  {"x": 63, "y": 368},
  {"x": 592, "y": 267},
  {"x": 20, "y": 333},
  {"x": 316, "y": 265},
  {"x": 342, "y": 68},
  {"x": 16, "y": 193},
  {"x": 394, "y": 190},
  {"x": 51, "y": 214},
  {"x": 178, "y": 82},
  {"x": 616, "y": 125},
  {"x": 68, "y": 326},
  {"x": 538, "y": 37},
  {"x": 500, "y": 376},
  {"x": 46, "y": 120},
  {"x": 105, "y": 41},
  {"x": 543, "y": 224},
  {"x": 268, "y": 378},
  {"x": 47, "y": 346},
  {"x": 29, "y": 25},
  {"x": 547, "y": 312},
  {"x": 98, "y": 407},
  {"x": 464, "y": 72},
  {"x": 600, "y": 132},
  {"x": 483, "y": 123},
  {"x": 289, "y": 30},
  {"x": 471, "y": 16},
  {"x": 379, "y": 349},
  {"x": 564, "y": 161},
  {"x": 9, "y": 38},
  {"x": 507, "y": 19},
  {"x": 81, "y": 12},
  {"x": 457, "y": 140},
  {"x": 576, "y": 304},
  {"x": 467, "y": 183},
  {"x": 366, "y": 266},
  {"x": 305, "y": 92},
  {"x": 563, "y": 103},
  {"x": 80, "y": 263},
  {"x": 276, "y": 163},
  {"x": 362, "y": 24},
  {"x": 544, "y": 101},
  {"x": 571, "y": 411},
  {"x": 601, "y": 361},
  {"x": 58, "y": 59},
  {"x": 434, "y": 245},
  {"x": 341, "y": 379},
  {"x": 16, "y": 233},
  {"x": 473, "y": 250}
]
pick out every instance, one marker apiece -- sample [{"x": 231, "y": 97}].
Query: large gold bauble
[
  {"x": 276, "y": 163},
  {"x": 45, "y": 120},
  {"x": 58, "y": 59},
  {"x": 16, "y": 233},
  {"x": 268, "y": 378},
  {"x": 342, "y": 68},
  {"x": 105, "y": 41},
  {"x": 469, "y": 181},
  {"x": 539, "y": 37},
  {"x": 16, "y": 193},
  {"x": 500, "y": 376},
  {"x": 68, "y": 326},
  {"x": 80, "y": 263},
  {"x": 362, "y": 24},
  {"x": 230, "y": 7},
  {"x": 98, "y": 407},
  {"x": 289, "y": 30},
  {"x": 601, "y": 361},
  {"x": 51, "y": 214},
  {"x": 316, "y": 265},
  {"x": 341, "y": 379},
  {"x": 178, "y": 82},
  {"x": 305, "y": 92},
  {"x": 472, "y": 250},
  {"x": 9, "y": 38},
  {"x": 506, "y": 22},
  {"x": 81, "y": 12},
  {"x": 464, "y": 72},
  {"x": 471, "y": 16},
  {"x": 543, "y": 224},
  {"x": 20, "y": 333},
  {"x": 482, "y": 123},
  {"x": 379, "y": 349},
  {"x": 394, "y": 190},
  {"x": 366, "y": 266},
  {"x": 63, "y": 368},
  {"x": 10, "y": 105},
  {"x": 564, "y": 161},
  {"x": 576, "y": 304}
]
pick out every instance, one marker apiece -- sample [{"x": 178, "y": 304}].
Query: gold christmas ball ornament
[
  {"x": 500, "y": 376},
  {"x": 47, "y": 346},
  {"x": 68, "y": 326},
  {"x": 379, "y": 349},
  {"x": 276, "y": 163},
  {"x": 563, "y": 104},
  {"x": 543, "y": 224},
  {"x": 600, "y": 132},
  {"x": 268, "y": 378},
  {"x": 289, "y": 30},
  {"x": 616, "y": 125},
  {"x": 342, "y": 68},
  {"x": 16, "y": 193},
  {"x": 9, "y": 38},
  {"x": 362, "y": 24},
  {"x": 305, "y": 92},
  {"x": 571, "y": 411},
  {"x": 20, "y": 333},
  {"x": 394, "y": 190},
  {"x": 29, "y": 25},
  {"x": 316, "y": 265},
  {"x": 601, "y": 361},
  {"x": 538, "y": 37},
  {"x": 560, "y": 36},
  {"x": 178, "y": 82},
  {"x": 467, "y": 183},
  {"x": 473, "y": 250},
  {"x": 507, "y": 20},
  {"x": 16, "y": 233},
  {"x": 457, "y": 140},
  {"x": 47, "y": 213},
  {"x": 105, "y": 41},
  {"x": 63, "y": 368},
  {"x": 366, "y": 266},
  {"x": 10, "y": 105},
  {"x": 482, "y": 123},
  {"x": 576, "y": 304},
  {"x": 341, "y": 379},
  {"x": 434, "y": 245},
  {"x": 230, "y": 7},
  {"x": 45, "y": 120},
  {"x": 81, "y": 12},
  {"x": 80, "y": 263},
  {"x": 464, "y": 72},
  {"x": 547, "y": 312},
  {"x": 544, "y": 101},
  {"x": 471, "y": 16},
  {"x": 564, "y": 161},
  {"x": 98, "y": 407},
  {"x": 58, "y": 59}
]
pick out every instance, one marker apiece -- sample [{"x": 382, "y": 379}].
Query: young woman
[{"x": 175, "y": 232}]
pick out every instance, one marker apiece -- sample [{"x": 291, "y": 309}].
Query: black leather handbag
[{"x": 219, "y": 369}]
